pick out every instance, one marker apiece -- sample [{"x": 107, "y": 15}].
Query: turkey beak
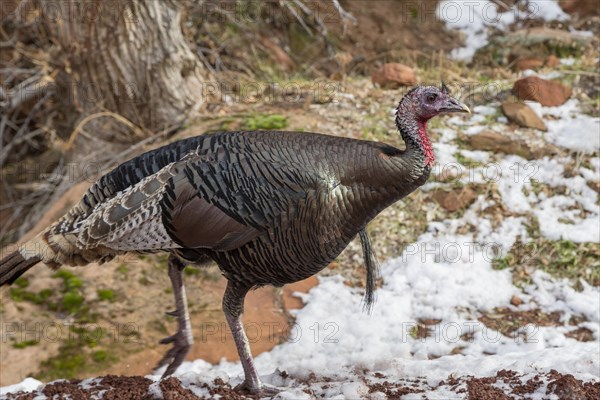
[{"x": 453, "y": 105}]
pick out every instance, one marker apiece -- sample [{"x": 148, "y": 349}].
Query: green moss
[
  {"x": 268, "y": 122},
  {"x": 21, "y": 282},
  {"x": 72, "y": 302},
  {"x": 192, "y": 271},
  {"x": 70, "y": 280},
  {"x": 75, "y": 358},
  {"x": 20, "y": 294},
  {"x": 17, "y": 294},
  {"x": 26, "y": 343},
  {"x": 414, "y": 332},
  {"x": 99, "y": 356},
  {"x": 106, "y": 295},
  {"x": 123, "y": 270},
  {"x": 92, "y": 338},
  {"x": 65, "y": 366}
]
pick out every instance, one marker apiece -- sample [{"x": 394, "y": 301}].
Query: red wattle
[{"x": 426, "y": 144}]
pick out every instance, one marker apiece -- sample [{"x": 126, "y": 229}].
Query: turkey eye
[{"x": 431, "y": 98}]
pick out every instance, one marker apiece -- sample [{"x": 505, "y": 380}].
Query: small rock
[
  {"x": 393, "y": 75},
  {"x": 494, "y": 141},
  {"x": 522, "y": 114},
  {"x": 595, "y": 185},
  {"x": 455, "y": 199},
  {"x": 529, "y": 63},
  {"x": 547, "y": 93},
  {"x": 552, "y": 61},
  {"x": 516, "y": 301}
]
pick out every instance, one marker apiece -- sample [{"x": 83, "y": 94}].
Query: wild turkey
[{"x": 270, "y": 208}]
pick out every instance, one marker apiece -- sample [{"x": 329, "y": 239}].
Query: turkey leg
[
  {"x": 182, "y": 340},
  {"x": 233, "y": 307}
]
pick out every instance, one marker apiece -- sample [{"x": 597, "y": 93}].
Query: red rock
[
  {"x": 516, "y": 301},
  {"x": 455, "y": 199},
  {"x": 522, "y": 114},
  {"x": 547, "y": 93},
  {"x": 394, "y": 75},
  {"x": 529, "y": 63},
  {"x": 552, "y": 61},
  {"x": 494, "y": 141}
]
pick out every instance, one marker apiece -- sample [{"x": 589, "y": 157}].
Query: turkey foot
[
  {"x": 182, "y": 340},
  {"x": 257, "y": 388},
  {"x": 176, "y": 354}
]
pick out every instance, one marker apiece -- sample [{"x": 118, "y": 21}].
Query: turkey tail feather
[
  {"x": 372, "y": 270},
  {"x": 14, "y": 265}
]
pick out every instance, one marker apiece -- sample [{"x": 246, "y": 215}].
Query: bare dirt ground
[{"x": 505, "y": 385}]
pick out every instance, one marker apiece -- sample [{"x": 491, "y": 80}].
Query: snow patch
[
  {"x": 568, "y": 127},
  {"x": 475, "y": 18},
  {"x": 27, "y": 385}
]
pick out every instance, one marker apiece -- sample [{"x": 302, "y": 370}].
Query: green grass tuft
[
  {"x": 26, "y": 343},
  {"x": 99, "y": 356},
  {"x": 561, "y": 259},
  {"x": 71, "y": 302},
  {"x": 106, "y": 294},
  {"x": 21, "y": 282},
  {"x": 267, "y": 122}
]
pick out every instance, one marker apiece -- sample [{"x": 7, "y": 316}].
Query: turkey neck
[{"x": 384, "y": 174}]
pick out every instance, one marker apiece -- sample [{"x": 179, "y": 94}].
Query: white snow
[
  {"x": 28, "y": 385},
  {"x": 476, "y": 155},
  {"x": 475, "y": 18},
  {"x": 485, "y": 110},
  {"x": 569, "y": 128},
  {"x": 568, "y": 61},
  {"x": 574, "y": 217},
  {"x": 546, "y": 10},
  {"x": 155, "y": 390}
]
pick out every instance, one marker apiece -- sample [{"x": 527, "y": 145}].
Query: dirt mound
[{"x": 505, "y": 385}]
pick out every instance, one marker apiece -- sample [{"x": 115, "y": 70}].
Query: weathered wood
[{"x": 128, "y": 57}]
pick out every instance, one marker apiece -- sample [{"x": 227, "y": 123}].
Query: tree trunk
[{"x": 129, "y": 58}]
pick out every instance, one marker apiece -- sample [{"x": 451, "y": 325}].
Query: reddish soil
[{"x": 136, "y": 387}]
